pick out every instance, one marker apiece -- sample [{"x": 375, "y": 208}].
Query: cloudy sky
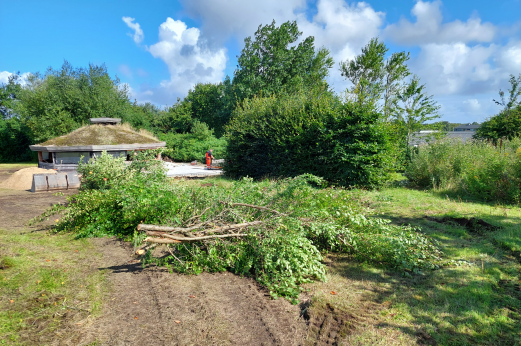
[{"x": 463, "y": 51}]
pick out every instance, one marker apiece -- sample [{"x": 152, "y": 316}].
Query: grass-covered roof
[{"x": 102, "y": 135}]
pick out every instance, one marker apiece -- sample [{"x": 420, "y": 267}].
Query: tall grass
[{"x": 476, "y": 168}]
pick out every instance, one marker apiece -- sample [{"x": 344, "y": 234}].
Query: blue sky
[{"x": 463, "y": 50}]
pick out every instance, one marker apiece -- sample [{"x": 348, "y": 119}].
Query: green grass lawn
[
  {"x": 18, "y": 165},
  {"x": 476, "y": 297},
  {"x": 473, "y": 299},
  {"x": 47, "y": 281},
  {"x": 46, "y": 285}
]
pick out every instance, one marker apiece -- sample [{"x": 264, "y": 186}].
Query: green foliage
[
  {"x": 192, "y": 146},
  {"x": 15, "y": 136},
  {"x": 63, "y": 100},
  {"x": 480, "y": 169},
  {"x": 366, "y": 71},
  {"x": 282, "y": 252},
  {"x": 100, "y": 173},
  {"x": 412, "y": 108},
  {"x": 309, "y": 132},
  {"x": 146, "y": 116},
  {"x": 211, "y": 104},
  {"x": 15, "y": 139},
  {"x": 271, "y": 62},
  {"x": 9, "y": 95},
  {"x": 379, "y": 83},
  {"x": 513, "y": 94},
  {"x": 504, "y": 125},
  {"x": 374, "y": 78}
]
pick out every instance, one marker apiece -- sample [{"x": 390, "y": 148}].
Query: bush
[
  {"x": 281, "y": 252},
  {"x": 192, "y": 146},
  {"x": 477, "y": 168},
  {"x": 315, "y": 133},
  {"x": 506, "y": 125}
]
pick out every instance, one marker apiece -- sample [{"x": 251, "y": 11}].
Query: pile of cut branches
[
  {"x": 273, "y": 231},
  {"x": 196, "y": 230}
]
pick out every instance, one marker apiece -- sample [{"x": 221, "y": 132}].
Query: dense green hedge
[{"x": 343, "y": 142}]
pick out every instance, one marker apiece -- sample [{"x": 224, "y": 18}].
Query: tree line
[{"x": 276, "y": 105}]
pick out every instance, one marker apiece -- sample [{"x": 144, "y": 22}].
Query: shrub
[
  {"x": 281, "y": 252},
  {"x": 481, "y": 169},
  {"x": 192, "y": 146},
  {"x": 313, "y": 132}
]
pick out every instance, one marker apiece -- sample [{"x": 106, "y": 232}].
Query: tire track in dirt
[{"x": 155, "y": 307}]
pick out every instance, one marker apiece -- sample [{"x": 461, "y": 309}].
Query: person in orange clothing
[{"x": 209, "y": 158}]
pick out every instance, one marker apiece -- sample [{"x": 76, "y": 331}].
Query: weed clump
[{"x": 481, "y": 169}]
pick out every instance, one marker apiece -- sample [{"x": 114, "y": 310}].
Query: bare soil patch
[
  {"x": 473, "y": 224},
  {"x": 153, "y": 306}
]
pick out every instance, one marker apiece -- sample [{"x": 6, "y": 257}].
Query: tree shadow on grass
[
  {"x": 452, "y": 307},
  {"x": 133, "y": 267}
]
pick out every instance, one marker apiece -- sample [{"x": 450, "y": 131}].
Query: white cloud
[
  {"x": 138, "y": 32},
  {"x": 429, "y": 28},
  {"x": 142, "y": 73},
  {"x": 457, "y": 68},
  {"x": 472, "y": 105},
  {"x": 342, "y": 28},
  {"x": 188, "y": 62},
  {"x": 4, "y": 77},
  {"x": 509, "y": 57},
  {"x": 239, "y": 18}
]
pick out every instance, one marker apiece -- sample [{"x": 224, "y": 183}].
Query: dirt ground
[{"x": 155, "y": 307}]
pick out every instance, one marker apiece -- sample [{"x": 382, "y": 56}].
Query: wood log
[
  {"x": 255, "y": 207},
  {"x": 145, "y": 227},
  {"x": 161, "y": 240},
  {"x": 173, "y": 239},
  {"x": 166, "y": 229}
]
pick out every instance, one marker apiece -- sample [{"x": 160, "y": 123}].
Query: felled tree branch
[
  {"x": 173, "y": 239},
  {"x": 254, "y": 207},
  {"x": 156, "y": 230},
  {"x": 145, "y": 227}
]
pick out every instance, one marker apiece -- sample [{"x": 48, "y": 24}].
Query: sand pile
[{"x": 23, "y": 179}]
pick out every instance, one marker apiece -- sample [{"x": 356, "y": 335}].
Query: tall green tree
[
  {"x": 212, "y": 104},
  {"x": 376, "y": 80},
  {"x": 506, "y": 124},
  {"x": 62, "y": 100},
  {"x": 513, "y": 94},
  {"x": 272, "y": 62},
  {"x": 413, "y": 107},
  {"x": 15, "y": 137},
  {"x": 9, "y": 94}
]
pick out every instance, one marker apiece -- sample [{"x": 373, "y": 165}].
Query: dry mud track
[
  {"x": 153, "y": 306},
  {"x": 143, "y": 304}
]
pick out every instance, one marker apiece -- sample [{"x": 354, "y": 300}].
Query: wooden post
[{"x": 40, "y": 156}]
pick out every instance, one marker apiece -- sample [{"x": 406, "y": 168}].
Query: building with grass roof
[{"x": 103, "y": 134}]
